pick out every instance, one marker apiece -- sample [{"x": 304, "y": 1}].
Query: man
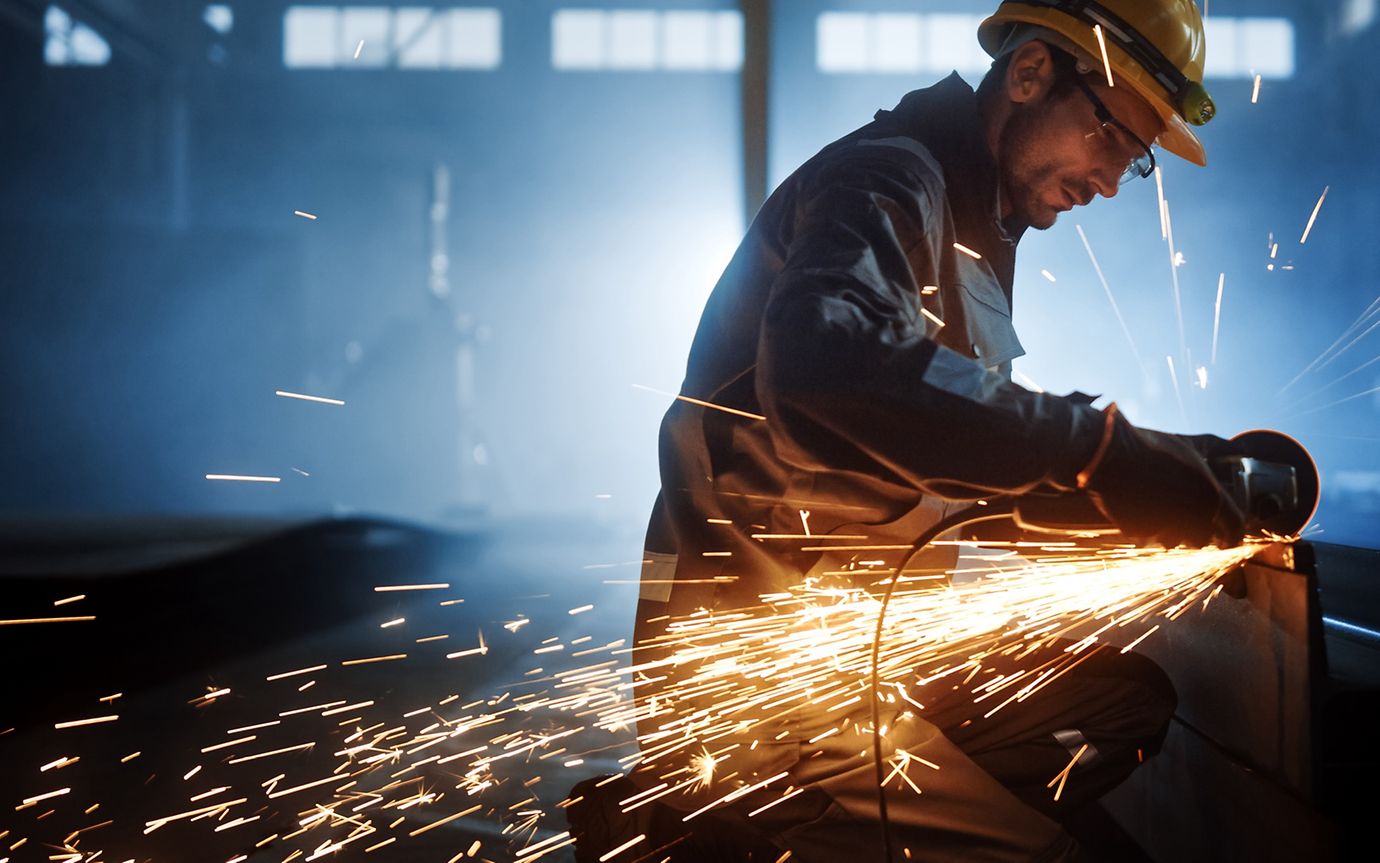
[{"x": 857, "y": 353}]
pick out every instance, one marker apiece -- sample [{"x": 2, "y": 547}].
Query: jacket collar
[{"x": 945, "y": 118}]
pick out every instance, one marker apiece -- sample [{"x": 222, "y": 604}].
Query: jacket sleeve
[{"x": 848, "y": 378}]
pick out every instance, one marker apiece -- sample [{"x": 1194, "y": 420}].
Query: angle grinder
[{"x": 1272, "y": 479}]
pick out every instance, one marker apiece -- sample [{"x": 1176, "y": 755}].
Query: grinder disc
[{"x": 1280, "y": 448}]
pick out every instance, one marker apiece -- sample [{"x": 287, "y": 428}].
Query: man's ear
[{"x": 1030, "y": 75}]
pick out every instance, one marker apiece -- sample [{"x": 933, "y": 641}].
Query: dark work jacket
[{"x": 877, "y": 417}]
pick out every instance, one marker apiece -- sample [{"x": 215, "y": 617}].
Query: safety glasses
[{"x": 1141, "y": 165}]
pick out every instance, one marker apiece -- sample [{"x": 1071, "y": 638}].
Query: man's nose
[{"x": 1106, "y": 181}]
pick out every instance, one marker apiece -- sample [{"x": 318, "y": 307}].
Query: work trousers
[{"x": 990, "y": 798}]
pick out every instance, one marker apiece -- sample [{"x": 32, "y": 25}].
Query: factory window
[
  {"x": 907, "y": 43},
  {"x": 70, "y": 43},
  {"x": 882, "y": 43},
  {"x": 408, "y": 37},
  {"x": 636, "y": 39},
  {"x": 219, "y": 17},
  {"x": 1246, "y": 47},
  {"x": 1357, "y": 15}
]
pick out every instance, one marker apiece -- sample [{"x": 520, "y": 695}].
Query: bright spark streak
[
  {"x": 1111, "y": 299},
  {"x": 1102, "y": 44},
  {"x": 933, "y": 318},
  {"x": 1313, "y": 218},
  {"x": 295, "y": 673},
  {"x": 386, "y": 588},
  {"x": 235, "y": 477},
  {"x": 319, "y": 399},
  {"x": 92, "y": 721},
  {"x": 1255, "y": 90},
  {"x": 1178, "y": 396},
  {"x": 29, "y": 801},
  {"x": 621, "y": 848},
  {"x": 446, "y": 820},
  {"x": 358, "y": 48},
  {"x": 19, "y": 621},
  {"x": 1048, "y": 275},
  {"x": 368, "y": 659},
  {"x": 78, "y": 598},
  {"x": 1174, "y": 282},
  {"x": 304, "y": 215},
  {"x": 967, "y": 251},
  {"x": 1217, "y": 314},
  {"x": 700, "y": 403},
  {"x": 1028, "y": 382},
  {"x": 1159, "y": 194}
]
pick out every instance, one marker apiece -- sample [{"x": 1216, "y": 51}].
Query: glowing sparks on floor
[{"x": 388, "y": 774}]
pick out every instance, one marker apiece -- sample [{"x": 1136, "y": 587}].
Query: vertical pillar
[{"x": 755, "y": 77}]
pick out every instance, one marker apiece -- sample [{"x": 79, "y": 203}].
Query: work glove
[{"x": 1158, "y": 487}]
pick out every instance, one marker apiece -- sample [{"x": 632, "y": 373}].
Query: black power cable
[{"x": 991, "y": 511}]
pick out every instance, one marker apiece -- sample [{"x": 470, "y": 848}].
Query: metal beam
[{"x": 755, "y": 78}]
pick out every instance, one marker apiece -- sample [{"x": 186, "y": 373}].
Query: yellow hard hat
[{"x": 1156, "y": 47}]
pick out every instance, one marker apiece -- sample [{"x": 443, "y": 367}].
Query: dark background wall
[{"x": 158, "y": 289}]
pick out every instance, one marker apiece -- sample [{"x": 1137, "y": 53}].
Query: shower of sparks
[
  {"x": 1255, "y": 90},
  {"x": 1369, "y": 392},
  {"x": 967, "y": 251},
  {"x": 1362, "y": 367},
  {"x": 320, "y": 399},
  {"x": 1332, "y": 352},
  {"x": 1102, "y": 44},
  {"x": 1217, "y": 315},
  {"x": 1111, "y": 299},
  {"x": 799, "y": 659},
  {"x": 1314, "y": 217},
  {"x": 703, "y": 404},
  {"x": 234, "y": 477}
]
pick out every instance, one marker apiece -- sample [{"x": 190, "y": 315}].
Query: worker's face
[{"x": 1054, "y": 152}]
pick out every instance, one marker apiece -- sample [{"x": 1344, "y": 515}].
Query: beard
[{"x": 1025, "y": 172}]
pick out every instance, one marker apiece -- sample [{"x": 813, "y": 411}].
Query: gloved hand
[{"x": 1158, "y": 488}]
